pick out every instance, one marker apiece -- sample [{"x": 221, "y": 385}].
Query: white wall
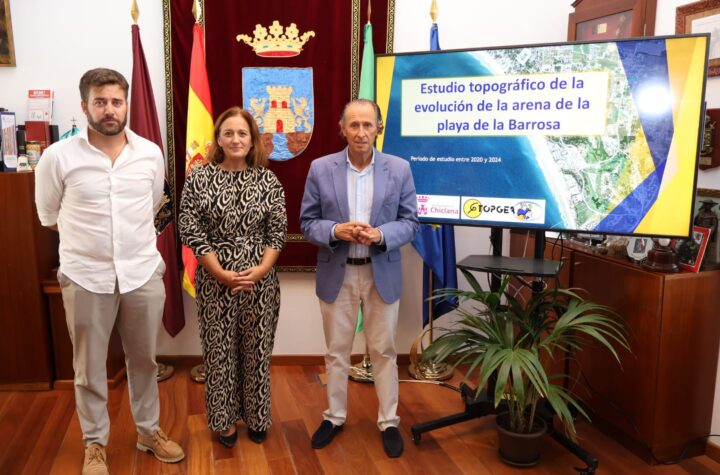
[
  {"x": 54, "y": 48},
  {"x": 56, "y": 41}
]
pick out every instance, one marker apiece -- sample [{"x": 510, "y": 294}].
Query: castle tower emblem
[
  {"x": 279, "y": 118},
  {"x": 282, "y": 102}
]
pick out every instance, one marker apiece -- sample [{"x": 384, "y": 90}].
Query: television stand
[
  {"x": 526, "y": 266},
  {"x": 483, "y": 404},
  {"x": 474, "y": 408}
]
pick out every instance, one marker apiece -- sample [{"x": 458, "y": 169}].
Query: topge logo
[{"x": 503, "y": 210}]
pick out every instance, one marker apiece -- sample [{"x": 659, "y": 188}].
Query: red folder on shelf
[{"x": 39, "y": 131}]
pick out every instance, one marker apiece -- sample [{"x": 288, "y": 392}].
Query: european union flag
[
  {"x": 436, "y": 246},
  {"x": 434, "y": 38}
]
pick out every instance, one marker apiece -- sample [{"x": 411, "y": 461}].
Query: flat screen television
[{"x": 592, "y": 137}]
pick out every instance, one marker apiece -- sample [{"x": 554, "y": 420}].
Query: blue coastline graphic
[{"x": 466, "y": 179}]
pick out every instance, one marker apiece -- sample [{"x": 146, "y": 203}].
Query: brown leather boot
[
  {"x": 95, "y": 460},
  {"x": 164, "y": 449}
]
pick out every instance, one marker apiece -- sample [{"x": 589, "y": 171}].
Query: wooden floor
[{"x": 40, "y": 433}]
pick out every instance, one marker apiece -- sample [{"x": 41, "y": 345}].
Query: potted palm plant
[{"x": 511, "y": 342}]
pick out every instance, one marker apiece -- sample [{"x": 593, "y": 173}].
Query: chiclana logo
[{"x": 444, "y": 210}]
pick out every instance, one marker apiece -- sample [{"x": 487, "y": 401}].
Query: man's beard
[{"x": 107, "y": 130}]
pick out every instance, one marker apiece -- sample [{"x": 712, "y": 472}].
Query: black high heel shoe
[
  {"x": 257, "y": 436},
  {"x": 229, "y": 440}
]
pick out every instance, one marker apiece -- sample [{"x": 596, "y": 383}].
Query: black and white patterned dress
[{"x": 236, "y": 215}]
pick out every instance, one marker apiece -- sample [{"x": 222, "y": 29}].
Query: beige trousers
[
  {"x": 380, "y": 327},
  {"x": 90, "y": 319}
]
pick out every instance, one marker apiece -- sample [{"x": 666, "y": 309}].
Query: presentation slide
[{"x": 587, "y": 137}]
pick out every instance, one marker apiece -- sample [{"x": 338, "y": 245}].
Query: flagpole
[
  {"x": 196, "y": 11},
  {"x": 197, "y": 373},
  {"x": 164, "y": 371},
  {"x": 429, "y": 305},
  {"x": 134, "y": 12},
  {"x": 430, "y": 370},
  {"x": 363, "y": 371}
]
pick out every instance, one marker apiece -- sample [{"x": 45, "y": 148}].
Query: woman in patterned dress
[{"x": 232, "y": 216}]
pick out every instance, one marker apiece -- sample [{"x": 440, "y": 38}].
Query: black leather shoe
[
  {"x": 392, "y": 442},
  {"x": 324, "y": 435},
  {"x": 228, "y": 440},
  {"x": 257, "y": 436}
]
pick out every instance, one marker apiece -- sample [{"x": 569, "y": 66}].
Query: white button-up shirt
[
  {"x": 360, "y": 185},
  {"x": 104, "y": 211}
]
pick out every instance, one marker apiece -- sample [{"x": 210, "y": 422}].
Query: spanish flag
[{"x": 199, "y": 133}]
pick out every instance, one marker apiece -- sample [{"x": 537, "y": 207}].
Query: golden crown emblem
[{"x": 276, "y": 44}]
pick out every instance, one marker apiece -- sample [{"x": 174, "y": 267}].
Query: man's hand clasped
[{"x": 359, "y": 232}]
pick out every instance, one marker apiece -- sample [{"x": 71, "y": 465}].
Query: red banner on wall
[{"x": 333, "y": 53}]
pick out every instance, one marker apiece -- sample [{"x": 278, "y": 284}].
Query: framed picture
[
  {"x": 691, "y": 251},
  {"x": 703, "y": 193},
  {"x": 595, "y": 20},
  {"x": 8, "y": 140},
  {"x": 702, "y": 17},
  {"x": 7, "y": 49},
  {"x": 638, "y": 248},
  {"x": 712, "y": 253},
  {"x": 710, "y": 152}
]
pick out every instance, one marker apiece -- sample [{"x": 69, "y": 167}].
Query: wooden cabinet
[
  {"x": 597, "y": 20},
  {"x": 27, "y": 253},
  {"x": 663, "y": 394},
  {"x": 661, "y": 397}
]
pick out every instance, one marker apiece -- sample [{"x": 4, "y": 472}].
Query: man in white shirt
[{"x": 100, "y": 190}]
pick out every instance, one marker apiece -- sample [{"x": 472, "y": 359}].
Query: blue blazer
[{"x": 394, "y": 212}]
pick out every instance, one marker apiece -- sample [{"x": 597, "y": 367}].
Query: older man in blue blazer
[{"x": 359, "y": 208}]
